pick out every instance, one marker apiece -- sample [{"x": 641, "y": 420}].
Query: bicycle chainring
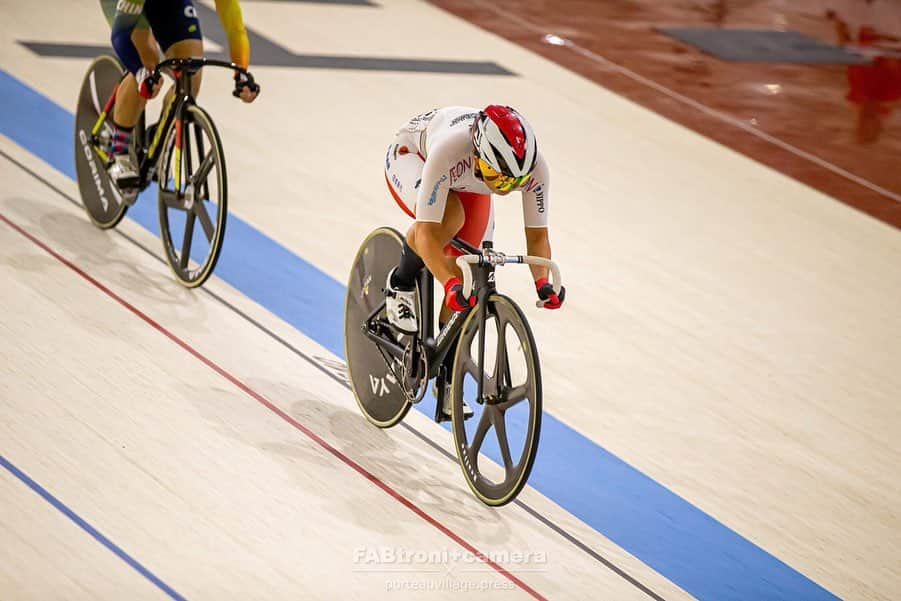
[{"x": 416, "y": 370}]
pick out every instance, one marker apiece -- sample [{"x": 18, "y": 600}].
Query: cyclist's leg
[
  {"x": 403, "y": 175},
  {"x": 452, "y": 221},
  {"x": 176, "y": 27},
  {"x": 129, "y": 103},
  {"x": 403, "y": 172},
  {"x": 477, "y": 226}
]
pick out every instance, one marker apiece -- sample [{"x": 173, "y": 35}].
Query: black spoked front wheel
[
  {"x": 374, "y": 375},
  {"x": 99, "y": 195},
  {"x": 193, "y": 198},
  {"x": 497, "y": 446}
]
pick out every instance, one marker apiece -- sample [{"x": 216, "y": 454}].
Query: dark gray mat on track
[{"x": 762, "y": 46}]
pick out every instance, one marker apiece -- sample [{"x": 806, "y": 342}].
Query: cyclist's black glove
[
  {"x": 241, "y": 82},
  {"x": 552, "y": 299}
]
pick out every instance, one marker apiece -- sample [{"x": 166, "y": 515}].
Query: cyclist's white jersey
[{"x": 441, "y": 141}]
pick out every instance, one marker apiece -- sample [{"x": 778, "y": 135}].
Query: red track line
[{"x": 274, "y": 409}]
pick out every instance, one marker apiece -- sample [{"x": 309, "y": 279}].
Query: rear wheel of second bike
[
  {"x": 193, "y": 198},
  {"x": 99, "y": 195}
]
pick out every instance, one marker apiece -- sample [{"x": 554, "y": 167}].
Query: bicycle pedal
[
  {"x": 440, "y": 414},
  {"x": 128, "y": 185},
  {"x": 438, "y": 391},
  {"x": 130, "y": 197}
]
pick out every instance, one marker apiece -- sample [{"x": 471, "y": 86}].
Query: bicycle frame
[
  {"x": 437, "y": 348},
  {"x": 173, "y": 112},
  {"x": 478, "y": 268}
]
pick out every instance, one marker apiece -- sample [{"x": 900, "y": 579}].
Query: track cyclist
[
  {"x": 442, "y": 169},
  {"x": 141, "y": 29}
]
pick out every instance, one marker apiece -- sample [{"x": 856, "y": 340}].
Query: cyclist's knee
[
  {"x": 188, "y": 48},
  {"x": 418, "y": 234},
  {"x": 129, "y": 104},
  {"x": 146, "y": 45}
]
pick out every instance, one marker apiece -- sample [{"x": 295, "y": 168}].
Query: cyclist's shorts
[
  {"x": 403, "y": 173},
  {"x": 170, "y": 20}
]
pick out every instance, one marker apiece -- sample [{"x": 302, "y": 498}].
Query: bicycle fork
[{"x": 445, "y": 346}]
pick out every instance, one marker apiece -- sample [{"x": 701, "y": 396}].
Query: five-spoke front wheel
[
  {"x": 193, "y": 196},
  {"x": 497, "y": 446}
]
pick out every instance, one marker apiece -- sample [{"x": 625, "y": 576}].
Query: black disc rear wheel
[
  {"x": 99, "y": 195},
  {"x": 375, "y": 384}
]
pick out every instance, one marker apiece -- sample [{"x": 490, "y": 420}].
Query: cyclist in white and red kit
[{"x": 442, "y": 169}]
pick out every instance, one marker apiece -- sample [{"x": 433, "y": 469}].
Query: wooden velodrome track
[{"x": 722, "y": 387}]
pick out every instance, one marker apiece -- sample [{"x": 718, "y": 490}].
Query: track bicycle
[
  {"x": 484, "y": 356},
  {"x": 182, "y": 152}
]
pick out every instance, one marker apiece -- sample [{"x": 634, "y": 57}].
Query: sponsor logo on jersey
[
  {"x": 461, "y": 118},
  {"x": 434, "y": 196},
  {"x": 190, "y": 11},
  {"x": 420, "y": 122},
  {"x": 129, "y": 8},
  {"x": 538, "y": 190},
  {"x": 531, "y": 185},
  {"x": 457, "y": 171}
]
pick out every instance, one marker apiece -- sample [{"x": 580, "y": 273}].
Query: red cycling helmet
[{"x": 505, "y": 147}]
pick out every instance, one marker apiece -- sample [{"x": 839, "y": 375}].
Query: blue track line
[{"x": 96, "y": 534}]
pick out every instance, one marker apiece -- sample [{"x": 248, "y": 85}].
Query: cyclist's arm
[
  {"x": 538, "y": 245},
  {"x": 535, "y": 213},
  {"x": 120, "y": 37},
  {"x": 233, "y": 24},
  {"x": 431, "y": 251}
]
